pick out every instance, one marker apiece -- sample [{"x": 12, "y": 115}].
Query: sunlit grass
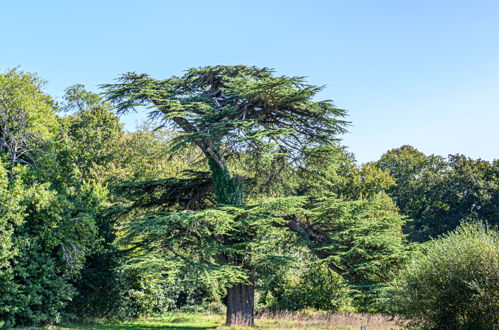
[
  {"x": 285, "y": 320},
  {"x": 176, "y": 320}
]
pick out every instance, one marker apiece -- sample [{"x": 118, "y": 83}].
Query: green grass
[
  {"x": 167, "y": 321},
  {"x": 180, "y": 320}
]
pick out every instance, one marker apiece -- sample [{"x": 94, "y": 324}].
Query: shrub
[
  {"x": 316, "y": 288},
  {"x": 454, "y": 283}
]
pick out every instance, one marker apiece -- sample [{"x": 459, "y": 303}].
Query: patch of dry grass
[{"x": 324, "y": 320}]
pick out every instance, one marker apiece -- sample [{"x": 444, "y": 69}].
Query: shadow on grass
[{"x": 142, "y": 327}]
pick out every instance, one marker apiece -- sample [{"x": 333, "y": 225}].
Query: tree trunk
[
  {"x": 240, "y": 305},
  {"x": 229, "y": 191}
]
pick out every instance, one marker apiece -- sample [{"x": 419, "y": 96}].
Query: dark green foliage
[
  {"x": 438, "y": 194},
  {"x": 232, "y": 109},
  {"x": 360, "y": 240},
  {"x": 194, "y": 191},
  {"x": 46, "y": 232},
  {"x": 454, "y": 282},
  {"x": 227, "y": 243},
  {"x": 55, "y": 226},
  {"x": 98, "y": 287},
  {"x": 305, "y": 286},
  {"x": 37, "y": 288},
  {"x": 49, "y": 250}
]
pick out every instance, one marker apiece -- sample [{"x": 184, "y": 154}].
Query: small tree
[{"x": 454, "y": 284}]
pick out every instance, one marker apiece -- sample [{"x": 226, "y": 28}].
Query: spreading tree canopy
[
  {"x": 235, "y": 111},
  {"x": 250, "y": 116}
]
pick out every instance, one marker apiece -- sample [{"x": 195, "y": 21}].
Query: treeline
[{"x": 238, "y": 183}]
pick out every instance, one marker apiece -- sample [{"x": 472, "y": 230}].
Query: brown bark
[{"x": 240, "y": 305}]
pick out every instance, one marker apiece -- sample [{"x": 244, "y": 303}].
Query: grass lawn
[
  {"x": 168, "y": 321},
  {"x": 181, "y": 320}
]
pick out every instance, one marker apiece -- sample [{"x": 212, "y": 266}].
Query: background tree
[
  {"x": 47, "y": 243},
  {"x": 338, "y": 175},
  {"x": 55, "y": 226},
  {"x": 437, "y": 193},
  {"x": 27, "y": 117}
]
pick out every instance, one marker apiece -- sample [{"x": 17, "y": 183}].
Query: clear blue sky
[{"x": 424, "y": 73}]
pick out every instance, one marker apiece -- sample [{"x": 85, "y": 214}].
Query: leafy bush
[
  {"x": 454, "y": 284},
  {"x": 34, "y": 293},
  {"x": 315, "y": 287}
]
